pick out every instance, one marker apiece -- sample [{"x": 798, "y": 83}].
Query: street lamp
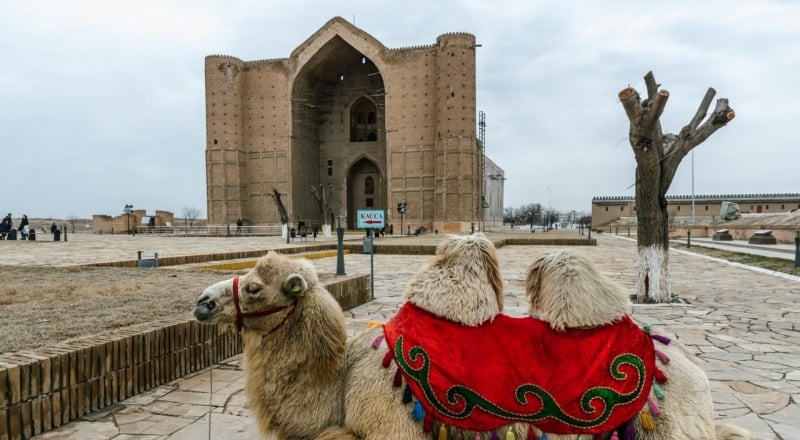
[
  {"x": 401, "y": 208},
  {"x": 549, "y": 207},
  {"x": 128, "y": 210},
  {"x": 340, "y": 219}
]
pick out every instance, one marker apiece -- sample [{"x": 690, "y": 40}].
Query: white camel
[{"x": 565, "y": 290}]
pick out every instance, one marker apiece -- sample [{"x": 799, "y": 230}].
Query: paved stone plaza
[{"x": 743, "y": 324}]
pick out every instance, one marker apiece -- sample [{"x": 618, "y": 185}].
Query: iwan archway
[{"x": 366, "y": 189}]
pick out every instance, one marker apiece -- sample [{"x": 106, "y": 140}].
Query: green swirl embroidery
[{"x": 462, "y": 401}]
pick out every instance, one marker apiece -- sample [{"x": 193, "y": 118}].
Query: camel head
[
  {"x": 566, "y": 290},
  {"x": 462, "y": 283},
  {"x": 261, "y": 299}
]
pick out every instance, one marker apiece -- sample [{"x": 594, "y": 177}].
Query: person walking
[{"x": 239, "y": 224}]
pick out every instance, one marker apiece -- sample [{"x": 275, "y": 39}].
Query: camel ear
[{"x": 295, "y": 286}]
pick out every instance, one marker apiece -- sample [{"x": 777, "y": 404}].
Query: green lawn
[{"x": 776, "y": 264}]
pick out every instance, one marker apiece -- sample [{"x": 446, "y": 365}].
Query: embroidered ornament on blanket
[{"x": 520, "y": 370}]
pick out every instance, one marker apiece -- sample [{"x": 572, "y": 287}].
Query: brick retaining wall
[{"x": 46, "y": 388}]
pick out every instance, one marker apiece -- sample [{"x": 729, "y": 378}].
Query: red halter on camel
[{"x": 263, "y": 312}]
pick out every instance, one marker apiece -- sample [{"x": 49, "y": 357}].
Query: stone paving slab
[{"x": 743, "y": 324}]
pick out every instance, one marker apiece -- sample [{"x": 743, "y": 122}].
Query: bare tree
[
  {"x": 72, "y": 220},
  {"x": 508, "y": 215},
  {"x": 658, "y": 155},
  {"x": 190, "y": 214},
  {"x": 529, "y": 213},
  {"x": 276, "y": 196},
  {"x": 322, "y": 194}
]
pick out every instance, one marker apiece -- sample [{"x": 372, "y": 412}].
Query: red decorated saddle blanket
[{"x": 520, "y": 370}]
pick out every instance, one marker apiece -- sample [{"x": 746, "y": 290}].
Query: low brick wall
[{"x": 46, "y": 388}]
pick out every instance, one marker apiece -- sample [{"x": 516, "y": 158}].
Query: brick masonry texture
[{"x": 47, "y": 388}]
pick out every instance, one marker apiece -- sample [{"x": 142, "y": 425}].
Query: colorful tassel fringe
[
  {"x": 427, "y": 425},
  {"x": 398, "y": 379},
  {"x": 662, "y": 339},
  {"x": 510, "y": 435},
  {"x": 614, "y": 436},
  {"x": 658, "y": 391},
  {"x": 662, "y": 357},
  {"x": 374, "y": 323},
  {"x": 653, "y": 406},
  {"x": 442, "y": 432},
  {"x": 387, "y": 359},
  {"x": 660, "y": 376},
  {"x": 407, "y": 395},
  {"x": 377, "y": 341},
  {"x": 647, "y": 421},
  {"x": 417, "y": 413}
]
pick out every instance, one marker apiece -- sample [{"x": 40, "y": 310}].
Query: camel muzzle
[{"x": 205, "y": 308}]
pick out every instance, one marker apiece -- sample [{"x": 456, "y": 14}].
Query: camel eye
[{"x": 252, "y": 289}]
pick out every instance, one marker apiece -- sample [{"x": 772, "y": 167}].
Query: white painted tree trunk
[
  {"x": 326, "y": 231},
  {"x": 284, "y": 231},
  {"x": 652, "y": 282}
]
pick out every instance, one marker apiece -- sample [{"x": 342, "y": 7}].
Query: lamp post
[
  {"x": 401, "y": 209},
  {"x": 340, "y": 219},
  {"x": 797, "y": 248},
  {"x": 549, "y": 207},
  {"x": 128, "y": 210}
]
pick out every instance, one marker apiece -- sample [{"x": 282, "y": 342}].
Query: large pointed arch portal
[{"x": 365, "y": 189}]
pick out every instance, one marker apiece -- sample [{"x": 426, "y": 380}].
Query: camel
[
  {"x": 565, "y": 290},
  {"x": 304, "y": 381},
  {"x": 462, "y": 284},
  {"x": 294, "y": 339}
]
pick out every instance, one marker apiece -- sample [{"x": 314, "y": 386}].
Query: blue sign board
[{"x": 370, "y": 219}]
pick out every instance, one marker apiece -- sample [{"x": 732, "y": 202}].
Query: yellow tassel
[
  {"x": 510, "y": 435},
  {"x": 442, "y": 432},
  {"x": 374, "y": 323},
  {"x": 647, "y": 421}
]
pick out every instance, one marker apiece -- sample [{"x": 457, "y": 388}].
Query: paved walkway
[{"x": 743, "y": 324}]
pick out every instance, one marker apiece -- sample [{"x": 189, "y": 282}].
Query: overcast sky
[{"x": 102, "y": 102}]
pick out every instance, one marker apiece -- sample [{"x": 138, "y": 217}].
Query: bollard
[
  {"x": 689, "y": 238},
  {"x": 797, "y": 249}
]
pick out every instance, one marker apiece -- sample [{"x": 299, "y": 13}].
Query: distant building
[
  {"x": 606, "y": 210},
  {"x": 493, "y": 195},
  {"x": 136, "y": 221},
  {"x": 377, "y": 126}
]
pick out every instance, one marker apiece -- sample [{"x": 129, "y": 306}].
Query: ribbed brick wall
[{"x": 49, "y": 387}]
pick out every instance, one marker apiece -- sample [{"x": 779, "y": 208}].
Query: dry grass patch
[{"x": 41, "y": 306}]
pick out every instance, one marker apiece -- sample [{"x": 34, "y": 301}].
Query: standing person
[
  {"x": 5, "y": 226},
  {"x": 239, "y": 224},
  {"x": 23, "y": 227},
  {"x": 53, "y": 228}
]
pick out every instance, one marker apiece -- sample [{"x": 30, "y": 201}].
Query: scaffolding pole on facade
[{"x": 482, "y": 140}]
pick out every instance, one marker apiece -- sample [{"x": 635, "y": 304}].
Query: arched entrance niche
[
  {"x": 338, "y": 112},
  {"x": 365, "y": 189}
]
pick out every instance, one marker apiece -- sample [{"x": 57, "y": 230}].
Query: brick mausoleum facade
[{"x": 375, "y": 126}]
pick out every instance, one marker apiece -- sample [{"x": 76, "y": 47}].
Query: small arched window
[
  {"x": 363, "y": 121},
  {"x": 369, "y": 185}
]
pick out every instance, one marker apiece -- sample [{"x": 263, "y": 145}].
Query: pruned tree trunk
[
  {"x": 658, "y": 155},
  {"x": 322, "y": 194}
]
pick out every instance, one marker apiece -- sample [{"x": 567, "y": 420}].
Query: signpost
[{"x": 371, "y": 220}]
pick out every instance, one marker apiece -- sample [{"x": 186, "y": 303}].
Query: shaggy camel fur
[
  {"x": 463, "y": 284},
  {"x": 294, "y": 338},
  {"x": 565, "y": 290}
]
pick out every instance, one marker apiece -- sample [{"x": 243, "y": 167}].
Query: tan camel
[
  {"x": 565, "y": 290},
  {"x": 294, "y": 338}
]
